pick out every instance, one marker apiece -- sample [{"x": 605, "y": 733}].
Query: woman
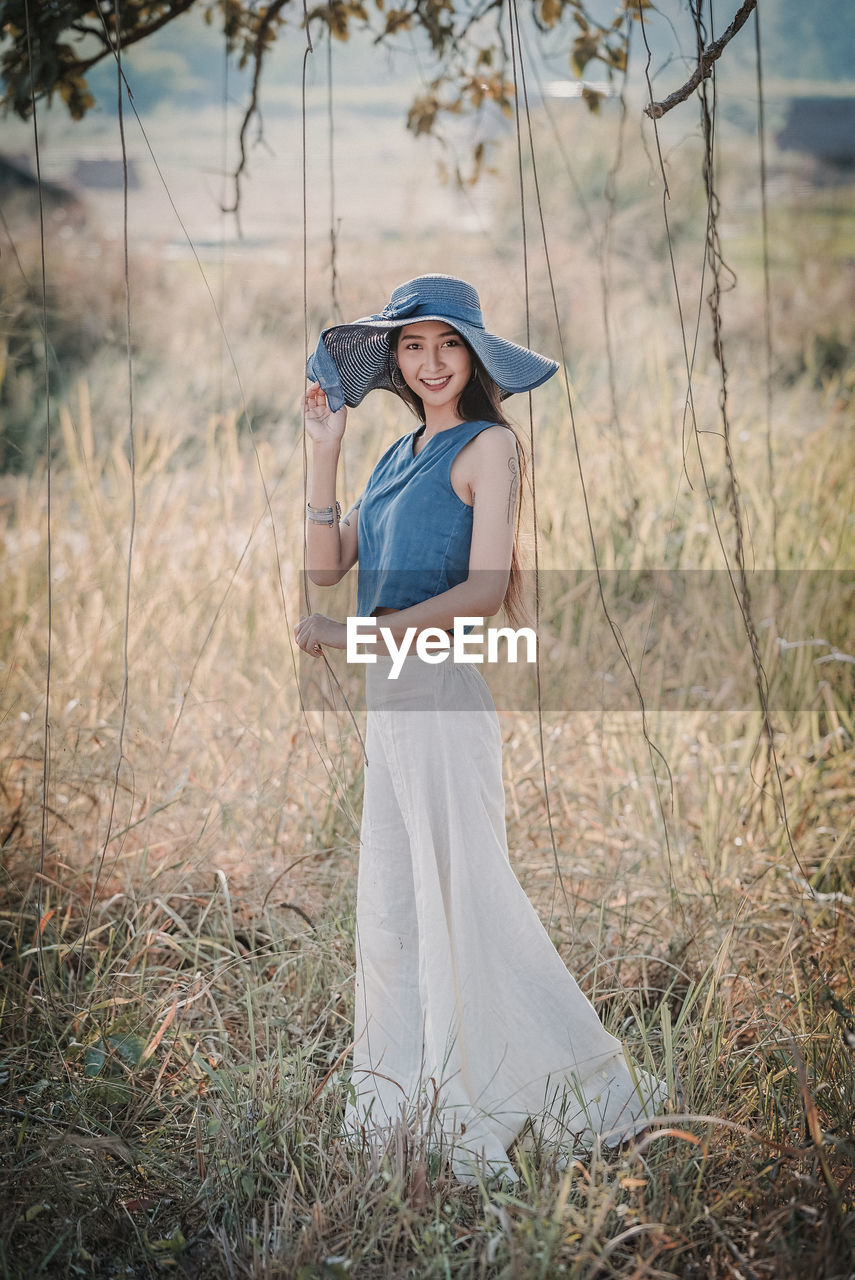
[{"x": 467, "y": 1023}]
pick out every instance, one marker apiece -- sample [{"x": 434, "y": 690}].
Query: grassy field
[{"x": 176, "y": 917}]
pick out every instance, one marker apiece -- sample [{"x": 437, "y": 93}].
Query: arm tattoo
[{"x": 512, "y": 493}]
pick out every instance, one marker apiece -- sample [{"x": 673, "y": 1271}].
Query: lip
[{"x": 435, "y": 384}]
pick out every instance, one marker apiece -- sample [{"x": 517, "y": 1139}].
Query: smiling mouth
[{"x": 435, "y": 384}]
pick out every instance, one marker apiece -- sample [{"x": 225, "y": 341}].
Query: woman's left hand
[{"x": 316, "y": 631}]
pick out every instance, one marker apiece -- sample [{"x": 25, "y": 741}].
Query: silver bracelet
[{"x": 323, "y": 515}]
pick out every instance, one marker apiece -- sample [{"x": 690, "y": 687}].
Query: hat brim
[{"x": 352, "y": 359}]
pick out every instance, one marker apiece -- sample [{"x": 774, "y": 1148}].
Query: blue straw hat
[{"x": 352, "y": 359}]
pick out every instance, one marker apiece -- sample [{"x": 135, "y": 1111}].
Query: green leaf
[
  {"x": 337, "y": 1266},
  {"x": 128, "y": 1046},
  {"x": 113, "y": 1093},
  {"x": 173, "y": 1244},
  {"x": 94, "y": 1060}
]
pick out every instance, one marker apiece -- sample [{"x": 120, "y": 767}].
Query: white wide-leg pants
[{"x": 467, "y": 1022}]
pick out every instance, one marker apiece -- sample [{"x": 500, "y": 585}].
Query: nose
[{"x": 432, "y": 358}]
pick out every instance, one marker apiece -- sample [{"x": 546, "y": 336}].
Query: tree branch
[
  {"x": 83, "y": 30},
  {"x": 705, "y": 64},
  {"x": 264, "y": 26},
  {"x": 134, "y": 36},
  {"x": 477, "y": 14}
]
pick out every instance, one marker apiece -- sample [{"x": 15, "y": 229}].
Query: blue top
[{"x": 414, "y": 531}]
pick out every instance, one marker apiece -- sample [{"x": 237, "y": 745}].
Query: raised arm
[{"x": 331, "y": 549}]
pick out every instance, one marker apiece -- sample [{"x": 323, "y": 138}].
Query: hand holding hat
[{"x": 323, "y": 424}]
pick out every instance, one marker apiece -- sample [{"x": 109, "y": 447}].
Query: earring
[{"x": 397, "y": 382}]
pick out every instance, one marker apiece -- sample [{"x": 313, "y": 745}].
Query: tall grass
[{"x": 175, "y": 1060}]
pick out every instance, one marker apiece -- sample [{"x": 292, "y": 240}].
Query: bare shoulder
[
  {"x": 496, "y": 441},
  {"x": 494, "y": 446},
  {"x": 485, "y": 462}
]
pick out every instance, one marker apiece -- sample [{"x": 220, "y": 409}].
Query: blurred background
[{"x": 184, "y": 788}]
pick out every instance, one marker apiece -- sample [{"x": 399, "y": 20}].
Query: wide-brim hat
[{"x": 352, "y": 359}]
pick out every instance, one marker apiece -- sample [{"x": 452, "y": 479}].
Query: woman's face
[{"x": 435, "y": 362}]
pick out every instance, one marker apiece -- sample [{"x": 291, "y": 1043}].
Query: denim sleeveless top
[{"x": 414, "y": 531}]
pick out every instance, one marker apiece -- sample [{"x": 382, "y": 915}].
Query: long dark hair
[{"x": 480, "y": 400}]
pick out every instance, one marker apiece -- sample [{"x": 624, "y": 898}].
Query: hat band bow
[
  {"x": 405, "y": 306},
  {"x": 415, "y": 304}
]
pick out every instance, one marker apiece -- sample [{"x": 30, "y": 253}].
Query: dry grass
[{"x": 174, "y": 1060}]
